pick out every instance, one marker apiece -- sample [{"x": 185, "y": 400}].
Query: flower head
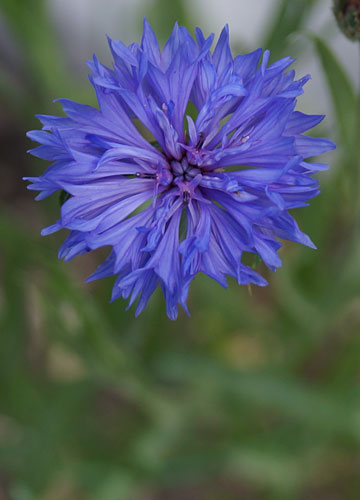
[{"x": 175, "y": 193}]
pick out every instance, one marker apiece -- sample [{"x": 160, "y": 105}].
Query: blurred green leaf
[
  {"x": 287, "y": 18},
  {"x": 163, "y": 14},
  {"x": 341, "y": 91},
  {"x": 45, "y": 69},
  {"x": 288, "y": 397}
]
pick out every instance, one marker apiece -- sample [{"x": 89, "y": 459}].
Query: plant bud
[{"x": 347, "y": 13}]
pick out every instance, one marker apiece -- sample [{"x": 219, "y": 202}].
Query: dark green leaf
[
  {"x": 288, "y": 18},
  {"x": 63, "y": 196},
  {"x": 341, "y": 91}
]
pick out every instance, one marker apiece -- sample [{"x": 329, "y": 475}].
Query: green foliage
[
  {"x": 163, "y": 14},
  {"x": 288, "y": 18},
  {"x": 342, "y": 92},
  {"x": 254, "y": 396}
]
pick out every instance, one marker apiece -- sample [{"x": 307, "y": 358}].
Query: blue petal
[
  {"x": 300, "y": 122},
  {"x": 312, "y": 146},
  {"x": 150, "y": 45},
  {"x": 222, "y": 53}
]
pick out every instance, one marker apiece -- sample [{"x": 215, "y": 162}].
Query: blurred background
[{"x": 256, "y": 395}]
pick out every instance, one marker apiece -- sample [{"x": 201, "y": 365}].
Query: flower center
[
  {"x": 178, "y": 173},
  {"x": 183, "y": 171}
]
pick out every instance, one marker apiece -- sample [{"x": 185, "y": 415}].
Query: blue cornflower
[{"x": 175, "y": 194}]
